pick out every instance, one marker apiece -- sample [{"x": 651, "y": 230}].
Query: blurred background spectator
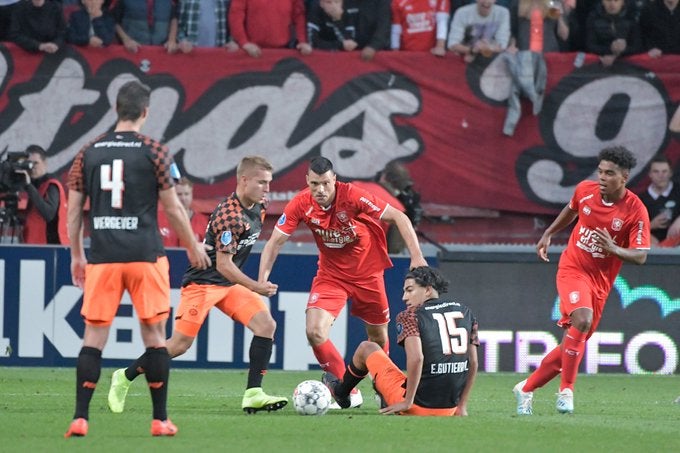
[
  {"x": 203, "y": 23},
  {"x": 611, "y": 32},
  {"x": 662, "y": 199},
  {"x": 199, "y": 221},
  {"x": 274, "y": 24},
  {"x": 38, "y": 26},
  {"x": 420, "y": 25},
  {"x": 146, "y": 23},
  {"x": 328, "y": 26},
  {"x": 91, "y": 25},
  {"x": 660, "y": 27},
  {"x": 6, "y": 8},
  {"x": 479, "y": 28}
]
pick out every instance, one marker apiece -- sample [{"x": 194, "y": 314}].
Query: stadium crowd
[{"x": 609, "y": 28}]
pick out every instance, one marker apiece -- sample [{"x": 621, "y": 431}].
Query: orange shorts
[
  {"x": 390, "y": 381},
  {"x": 147, "y": 283},
  {"x": 369, "y": 299},
  {"x": 575, "y": 292},
  {"x": 236, "y": 301}
]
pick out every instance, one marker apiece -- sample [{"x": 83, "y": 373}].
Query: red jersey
[
  {"x": 417, "y": 19},
  {"x": 351, "y": 242},
  {"x": 627, "y": 222}
]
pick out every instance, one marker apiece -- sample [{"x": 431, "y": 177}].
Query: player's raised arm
[
  {"x": 407, "y": 232},
  {"x": 269, "y": 253}
]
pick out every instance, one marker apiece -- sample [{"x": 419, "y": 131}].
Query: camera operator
[
  {"x": 395, "y": 186},
  {"x": 45, "y": 221}
]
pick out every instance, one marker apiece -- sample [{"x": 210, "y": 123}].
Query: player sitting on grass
[{"x": 440, "y": 364}]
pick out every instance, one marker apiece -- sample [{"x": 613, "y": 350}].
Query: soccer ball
[{"x": 311, "y": 398}]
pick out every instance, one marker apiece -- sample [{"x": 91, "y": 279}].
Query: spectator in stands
[
  {"x": 611, "y": 33},
  {"x": 373, "y": 20},
  {"x": 480, "y": 28},
  {"x": 258, "y": 24},
  {"x": 328, "y": 26},
  {"x": 420, "y": 25},
  {"x": 146, "y": 23},
  {"x": 199, "y": 221},
  {"x": 91, "y": 25},
  {"x": 38, "y": 26},
  {"x": 6, "y": 8},
  {"x": 203, "y": 24},
  {"x": 350, "y": 25},
  {"x": 45, "y": 221},
  {"x": 551, "y": 17},
  {"x": 662, "y": 200},
  {"x": 660, "y": 27}
]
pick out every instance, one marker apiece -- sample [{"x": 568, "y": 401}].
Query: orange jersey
[
  {"x": 351, "y": 242},
  {"x": 627, "y": 222}
]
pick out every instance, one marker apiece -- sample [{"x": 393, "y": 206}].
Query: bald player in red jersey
[
  {"x": 612, "y": 227},
  {"x": 352, "y": 257}
]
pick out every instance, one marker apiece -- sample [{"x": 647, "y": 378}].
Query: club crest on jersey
[
  {"x": 617, "y": 224},
  {"x": 226, "y": 237},
  {"x": 586, "y": 210},
  {"x": 400, "y": 328},
  {"x": 574, "y": 297},
  {"x": 313, "y": 298},
  {"x": 342, "y": 216},
  {"x": 281, "y": 220}
]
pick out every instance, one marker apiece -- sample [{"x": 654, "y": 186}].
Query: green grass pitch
[{"x": 613, "y": 413}]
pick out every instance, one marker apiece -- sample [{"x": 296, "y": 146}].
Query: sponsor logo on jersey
[
  {"x": 369, "y": 203},
  {"x": 281, "y": 220},
  {"x": 574, "y": 297},
  {"x": 617, "y": 224},
  {"x": 225, "y": 238}
]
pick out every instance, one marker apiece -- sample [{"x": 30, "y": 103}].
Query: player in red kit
[
  {"x": 352, "y": 258},
  {"x": 612, "y": 227}
]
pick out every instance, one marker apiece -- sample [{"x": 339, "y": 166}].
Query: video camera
[
  {"x": 10, "y": 180},
  {"x": 411, "y": 201}
]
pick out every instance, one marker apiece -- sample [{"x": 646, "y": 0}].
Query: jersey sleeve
[
  {"x": 640, "y": 235},
  {"x": 407, "y": 326},
  {"x": 163, "y": 161},
  {"x": 290, "y": 218},
  {"x": 227, "y": 226},
  {"x": 366, "y": 202},
  {"x": 76, "y": 180}
]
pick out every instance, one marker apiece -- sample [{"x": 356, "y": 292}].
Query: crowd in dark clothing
[{"x": 595, "y": 26}]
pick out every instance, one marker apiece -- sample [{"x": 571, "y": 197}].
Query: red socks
[
  {"x": 573, "y": 346},
  {"x": 549, "y": 368},
  {"x": 329, "y": 358}
]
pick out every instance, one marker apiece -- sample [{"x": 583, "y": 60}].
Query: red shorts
[
  {"x": 390, "y": 381},
  {"x": 369, "y": 300},
  {"x": 236, "y": 301},
  {"x": 147, "y": 283},
  {"x": 576, "y": 292}
]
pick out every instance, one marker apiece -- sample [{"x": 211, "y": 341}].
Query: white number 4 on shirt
[{"x": 111, "y": 178}]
